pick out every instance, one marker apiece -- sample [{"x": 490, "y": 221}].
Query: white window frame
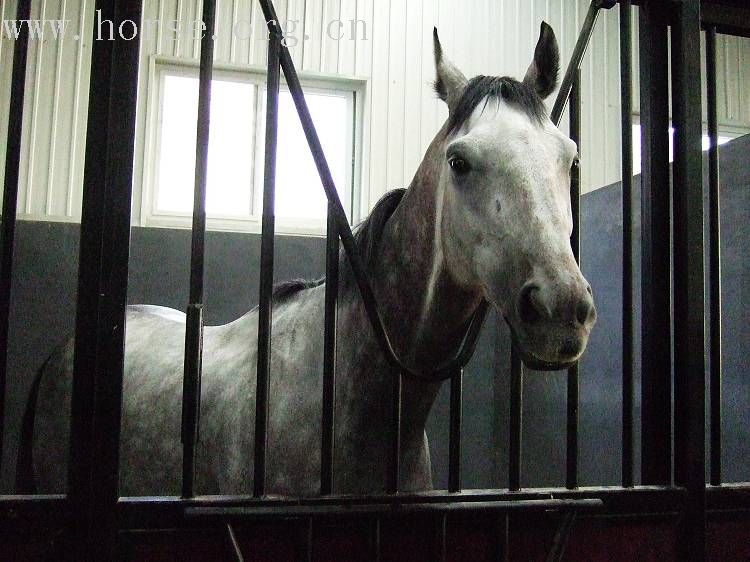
[{"x": 150, "y": 216}]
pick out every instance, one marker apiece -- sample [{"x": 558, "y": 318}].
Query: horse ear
[
  {"x": 450, "y": 81},
  {"x": 542, "y": 73}
]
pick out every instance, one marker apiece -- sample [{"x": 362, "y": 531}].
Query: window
[
  {"x": 723, "y": 138},
  {"x": 236, "y": 151}
]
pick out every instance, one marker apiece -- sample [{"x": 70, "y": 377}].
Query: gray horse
[{"x": 487, "y": 216}]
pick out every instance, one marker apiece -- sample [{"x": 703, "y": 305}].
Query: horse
[{"x": 486, "y": 216}]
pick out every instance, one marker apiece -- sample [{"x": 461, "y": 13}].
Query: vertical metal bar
[
  {"x": 626, "y": 127},
  {"x": 329, "y": 356},
  {"x": 714, "y": 241},
  {"x": 394, "y": 437},
  {"x": 191, "y": 388},
  {"x": 454, "y": 454},
  {"x": 375, "y": 540},
  {"x": 266, "y": 266},
  {"x": 191, "y": 391},
  {"x": 575, "y": 61},
  {"x": 443, "y": 538},
  {"x": 689, "y": 361},
  {"x": 503, "y": 554},
  {"x": 102, "y": 289},
  {"x": 306, "y": 548},
  {"x": 571, "y": 469},
  {"x": 656, "y": 335},
  {"x": 516, "y": 418},
  {"x": 10, "y": 196}
]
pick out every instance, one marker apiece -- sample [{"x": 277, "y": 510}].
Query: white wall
[
  {"x": 401, "y": 113},
  {"x": 54, "y": 121}
]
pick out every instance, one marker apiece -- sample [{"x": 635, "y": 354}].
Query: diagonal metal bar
[
  {"x": 575, "y": 61},
  {"x": 562, "y": 535},
  {"x": 465, "y": 350},
  {"x": 234, "y": 544}
]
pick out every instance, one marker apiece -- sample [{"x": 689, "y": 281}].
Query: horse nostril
[
  {"x": 528, "y": 307},
  {"x": 584, "y": 310}
]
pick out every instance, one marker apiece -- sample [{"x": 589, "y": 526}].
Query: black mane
[
  {"x": 498, "y": 87},
  {"x": 286, "y": 289},
  {"x": 367, "y": 238}
]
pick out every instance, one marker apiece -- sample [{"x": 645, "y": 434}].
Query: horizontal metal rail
[
  {"x": 144, "y": 512},
  {"x": 269, "y": 512}
]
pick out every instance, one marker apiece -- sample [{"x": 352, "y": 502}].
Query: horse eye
[{"x": 459, "y": 166}]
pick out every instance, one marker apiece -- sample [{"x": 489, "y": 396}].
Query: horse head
[{"x": 505, "y": 219}]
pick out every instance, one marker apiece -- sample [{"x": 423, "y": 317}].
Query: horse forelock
[{"x": 498, "y": 87}]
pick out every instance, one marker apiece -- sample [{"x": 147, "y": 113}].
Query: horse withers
[{"x": 487, "y": 216}]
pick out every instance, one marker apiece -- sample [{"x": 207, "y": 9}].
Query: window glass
[
  {"x": 231, "y": 147},
  {"x": 299, "y": 192}
]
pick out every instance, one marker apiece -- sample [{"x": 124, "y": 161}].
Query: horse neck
[{"x": 424, "y": 310}]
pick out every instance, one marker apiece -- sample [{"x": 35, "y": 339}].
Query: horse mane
[
  {"x": 286, "y": 289},
  {"x": 367, "y": 235},
  {"x": 497, "y": 87}
]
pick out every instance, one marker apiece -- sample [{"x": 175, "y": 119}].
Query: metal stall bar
[
  {"x": 454, "y": 447},
  {"x": 571, "y": 468},
  {"x": 329, "y": 355},
  {"x": 102, "y": 288},
  {"x": 191, "y": 389},
  {"x": 577, "y": 56},
  {"x": 714, "y": 243},
  {"x": 394, "y": 437},
  {"x": 656, "y": 312},
  {"x": 516, "y": 421},
  {"x": 375, "y": 539},
  {"x": 10, "y": 196},
  {"x": 626, "y": 129},
  {"x": 442, "y": 537},
  {"x": 689, "y": 341},
  {"x": 266, "y": 264}
]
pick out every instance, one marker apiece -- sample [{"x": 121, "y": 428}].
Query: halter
[{"x": 445, "y": 369}]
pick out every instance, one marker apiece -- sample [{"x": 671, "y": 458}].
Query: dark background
[{"x": 43, "y": 309}]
